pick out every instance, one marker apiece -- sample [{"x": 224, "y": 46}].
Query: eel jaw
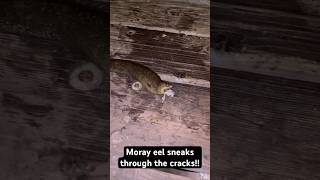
[{"x": 163, "y": 87}]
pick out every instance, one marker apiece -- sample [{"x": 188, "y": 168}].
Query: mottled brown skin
[{"x": 148, "y": 78}]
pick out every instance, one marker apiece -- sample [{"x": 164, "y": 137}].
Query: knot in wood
[{"x": 86, "y": 77}]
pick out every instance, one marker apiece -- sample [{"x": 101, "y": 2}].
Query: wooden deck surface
[
  {"x": 172, "y": 39},
  {"x": 51, "y": 130},
  {"x": 141, "y": 119},
  {"x": 265, "y": 106},
  {"x": 48, "y": 129},
  {"x": 264, "y": 120},
  {"x": 264, "y": 127}
]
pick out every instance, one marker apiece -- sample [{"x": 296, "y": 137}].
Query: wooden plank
[
  {"x": 95, "y": 5},
  {"x": 299, "y": 7},
  {"x": 254, "y": 30},
  {"x": 139, "y": 118},
  {"x": 47, "y": 128},
  {"x": 184, "y": 59},
  {"x": 186, "y": 17},
  {"x": 269, "y": 64},
  {"x": 78, "y": 27},
  {"x": 264, "y": 127}
]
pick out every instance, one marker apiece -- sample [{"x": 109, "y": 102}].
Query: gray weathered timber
[
  {"x": 140, "y": 118},
  {"x": 249, "y": 29},
  {"x": 264, "y": 127},
  {"x": 80, "y": 28},
  {"x": 265, "y": 122},
  {"x": 187, "y": 17},
  {"x": 178, "y": 55},
  {"x": 47, "y": 128},
  {"x": 278, "y": 65}
]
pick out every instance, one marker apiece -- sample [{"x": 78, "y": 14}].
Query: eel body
[{"x": 148, "y": 78}]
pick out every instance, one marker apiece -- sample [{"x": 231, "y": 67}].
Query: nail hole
[
  {"x": 131, "y": 32},
  {"x": 180, "y": 74},
  {"x": 173, "y": 12}
]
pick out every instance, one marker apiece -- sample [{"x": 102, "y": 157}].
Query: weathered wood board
[
  {"x": 265, "y": 122},
  {"x": 289, "y": 67},
  {"x": 189, "y": 17},
  {"x": 264, "y": 127},
  {"x": 140, "y": 119},
  {"x": 298, "y": 7},
  {"x": 75, "y": 25},
  {"x": 48, "y": 130},
  {"x": 260, "y": 28},
  {"x": 171, "y": 38},
  {"x": 184, "y": 58}
]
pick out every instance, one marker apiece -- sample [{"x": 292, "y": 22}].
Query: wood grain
[
  {"x": 47, "y": 128},
  {"x": 288, "y": 67},
  {"x": 80, "y": 28},
  {"x": 139, "y": 118},
  {"x": 167, "y": 53},
  {"x": 256, "y": 30},
  {"x": 264, "y": 127},
  {"x": 298, "y": 7},
  {"x": 187, "y": 17}
]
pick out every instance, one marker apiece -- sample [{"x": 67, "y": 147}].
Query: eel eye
[{"x": 167, "y": 87}]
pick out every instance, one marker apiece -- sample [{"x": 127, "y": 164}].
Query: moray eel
[{"x": 148, "y": 78}]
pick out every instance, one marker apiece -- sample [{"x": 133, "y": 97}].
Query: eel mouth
[{"x": 164, "y": 87}]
